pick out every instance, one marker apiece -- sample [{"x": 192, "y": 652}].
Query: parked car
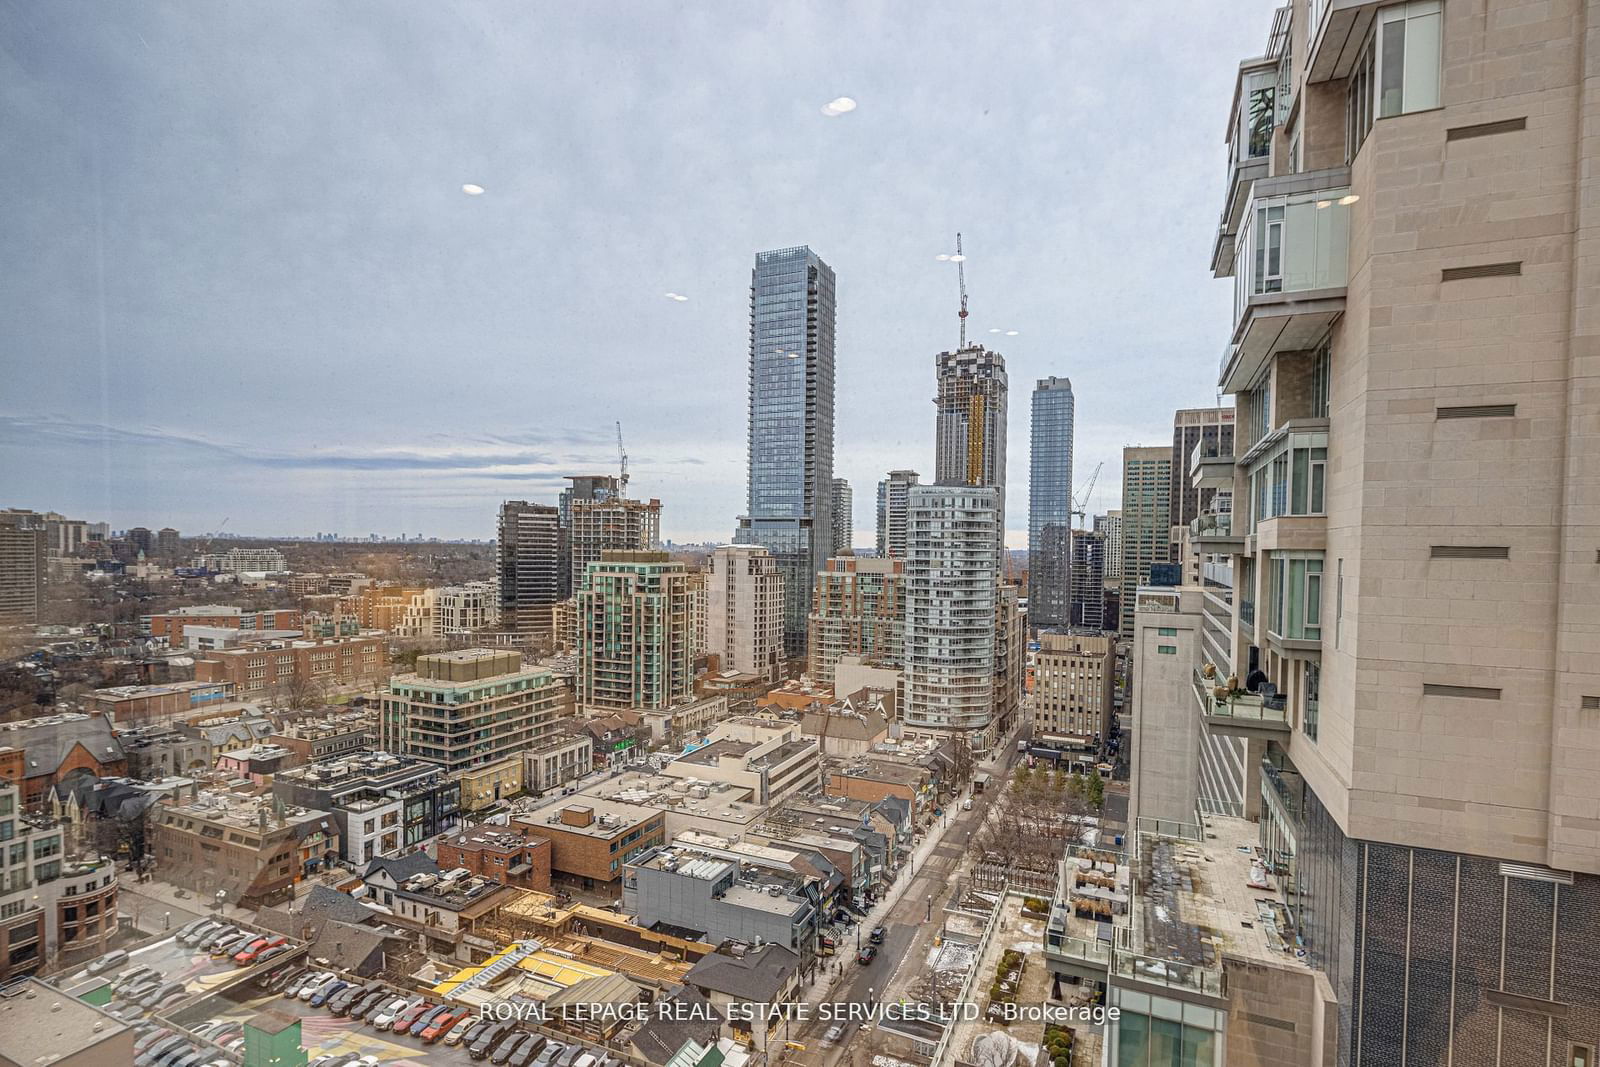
[
  {"x": 150, "y": 1037},
  {"x": 110, "y": 961},
  {"x": 227, "y": 946},
  {"x": 368, "y": 1001},
  {"x": 310, "y": 978},
  {"x": 274, "y": 952},
  {"x": 506, "y": 1049},
  {"x": 161, "y": 993},
  {"x": 383, "y": 1017},
  {"x": 128, "y": 977},
  {"x": 320, "y": 997},
  {"x": 341, "y": 1002},
  {"x": 403, "y": 1021},
  {"x": 426, "y": 1019},
  {"x": 490, "y": 1038},
  {"x": 311, "y": 989},
  {"x": 528, "y": 1051},
  {"x": 255, "y": 947},
  {"x": 188, "y": 928},
  {"x": 275, "y": 981},
  {"x": 867, "y": 954},
  {"x": 442, "y": 1024},
  {"x": 552, "y": 1052},
  {"x": 161, "y": 1049},
  {"x": 206, "y": 928},
  {"x": 878, "y": 934},
  {"x": 466, "y": 1033},
  {"x": 211, "y": 939}
]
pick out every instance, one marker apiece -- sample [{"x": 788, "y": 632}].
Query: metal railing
[
  {"x": 1240, "y": 706},
  {"x": 1212, "y": 524}
]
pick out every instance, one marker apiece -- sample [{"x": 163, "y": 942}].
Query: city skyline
[{"x": 126, "y": 319}]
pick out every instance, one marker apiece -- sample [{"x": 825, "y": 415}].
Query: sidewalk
[
  {"x": 823, "y": 983},
  {"x": 156, "y": 899}
]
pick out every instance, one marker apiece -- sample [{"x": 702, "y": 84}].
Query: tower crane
[
  {"x": 961, "y": 280},
  {"x": 622, "y": 459},
  {"x": 1081, "y": 501}
]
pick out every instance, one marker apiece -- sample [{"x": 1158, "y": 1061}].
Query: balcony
[
  {"x": 1215, "y": 530},
  {"x": 1240, "y": 714},
  {"x": 1254, "y": 118},
  {"x": 1293, "y": 248},
  {"x": 1209, "y": 468},
  {"x": 1338, "y": 30}
]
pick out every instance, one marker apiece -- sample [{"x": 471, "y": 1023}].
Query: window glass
[{"x": 1392, "y": 68}]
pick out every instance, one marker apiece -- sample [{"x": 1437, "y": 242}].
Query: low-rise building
[
  {"x": 556, "y": 762},
  {"x": 670, "y": 727},
  {"x": 50, "y": 906},
  {"x": 41, "y": 1024},
  {"x": 59, "y": 748},
  {"x": 258, "y": 763},
  {"x": 149, "y": 704},
  {"x": 471, "y": 708},
  {"x": 160, "y": 751},
  {"x": 276, "y": 666},
  {"x": 380, "y": 802},
  {"x": 485, "y": 786},
  {"x": 768, "y": 757},
  {"x": 447, "y": 908},
  {"x": 252, "y": 848},
  {"x": 510, "y": 856},
  {"x": 852, "y": 726},
  {"x": 333, "y": 733},
  {"x": 718, "y": 895},
  {"x": 172, "y": 625},
  {"x": 592, "y": 838},
  {"x": 744, "y": 988}
]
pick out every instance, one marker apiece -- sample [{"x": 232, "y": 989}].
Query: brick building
[
  {"x": 171, "y": 625},
  {"x": 509, "y": 856},
  {"x": 259, "y": 670},
  {"x": 592, "y": 838}
]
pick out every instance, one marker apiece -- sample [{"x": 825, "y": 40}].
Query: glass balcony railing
[
  {"x": 1244, "y": 709},
  {"x": 1082, "y": 949},
  {"x": 1293, "y": 243},
  {"x": 1211, "y": 524},
  {"x": 1174, "y": 974}
]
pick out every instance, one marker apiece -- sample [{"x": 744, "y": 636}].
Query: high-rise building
[
  {"x": 22, "y": 569},
  {"x": 596, "y": 526},
  {"x": 168, "y": 543},
  {"x": 1010, "y": 659},
  {"x": 790, "y": 490},
  {"x": 893, "y": 497},
  {"x": 1410, "y": 222},
  {"x": 859, "y": 610},
  {"x": 952, "y": 590},
  {"x": 140, "y": 539},
  {"x": 635, "y": 618},
  {"x": 1050, "y": 503},
  {"x": 528, "y": 566},
  {"x": 1087, "y": 608},
  {"x": 744, "y": 598},
  {"x": 1146, "y": 520},
  {"x": 584, "y": 488},
  {"x": 1110, "y": 524},
  {"x": 844, "y": 534},
  {"x": 970, "y": 430},
  {"x": 1198, "y": 434},
  {"x": 1073, "y": 682}
]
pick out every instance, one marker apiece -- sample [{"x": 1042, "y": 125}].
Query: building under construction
[
  {"x": 596, "y": 526},
  {"x": 970, "y": 445}
]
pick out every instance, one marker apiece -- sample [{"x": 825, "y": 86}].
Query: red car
[
  {"x": 408, "y": 1018},
  {"x": 443, "y": 1025},
  {"x": 250, "y": 952}
]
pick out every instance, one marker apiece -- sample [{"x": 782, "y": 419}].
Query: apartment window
[
  {"x": 1358, "y": 102},
  {"x": 1167, "y": 631},
  {"x": 1580, "y": 1056},
  {"x": 1308, "y": 721},
  {"x": 1295, "y": 596},
  {"x": 1167, "y": 650},
  {"x": 1408, "y": 57}
]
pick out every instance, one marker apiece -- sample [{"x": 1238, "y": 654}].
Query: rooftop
[
  {"x": 455, "y": 890},
  {"x": 590, "y": 816},
  {"x": 41, "y": 1024}
]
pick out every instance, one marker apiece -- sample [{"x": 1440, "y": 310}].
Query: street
[{"x": 908, "y": 932}]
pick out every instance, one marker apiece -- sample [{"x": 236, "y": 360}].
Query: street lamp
[
  {"x": 930, "y": 909},
  {"x": 166, "y": 921}
]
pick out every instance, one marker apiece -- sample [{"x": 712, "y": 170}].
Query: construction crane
[
  {"x": 1081, "y": 501},
  {"x": 622, "y": 459},
  {"x": 961, "y": 280}
]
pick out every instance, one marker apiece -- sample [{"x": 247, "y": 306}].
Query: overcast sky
[{"x": 243, "y": 280}]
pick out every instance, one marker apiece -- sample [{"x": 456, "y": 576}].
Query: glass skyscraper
[
  {"x": 790, "y": 493},
  {"x": 1050, "y": 504}
]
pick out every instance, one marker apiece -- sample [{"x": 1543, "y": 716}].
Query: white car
[
  {"x": 307, "y": 981},
  {"x": 309, "y": 989},
  {"x": 384, "y": 1017}
]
